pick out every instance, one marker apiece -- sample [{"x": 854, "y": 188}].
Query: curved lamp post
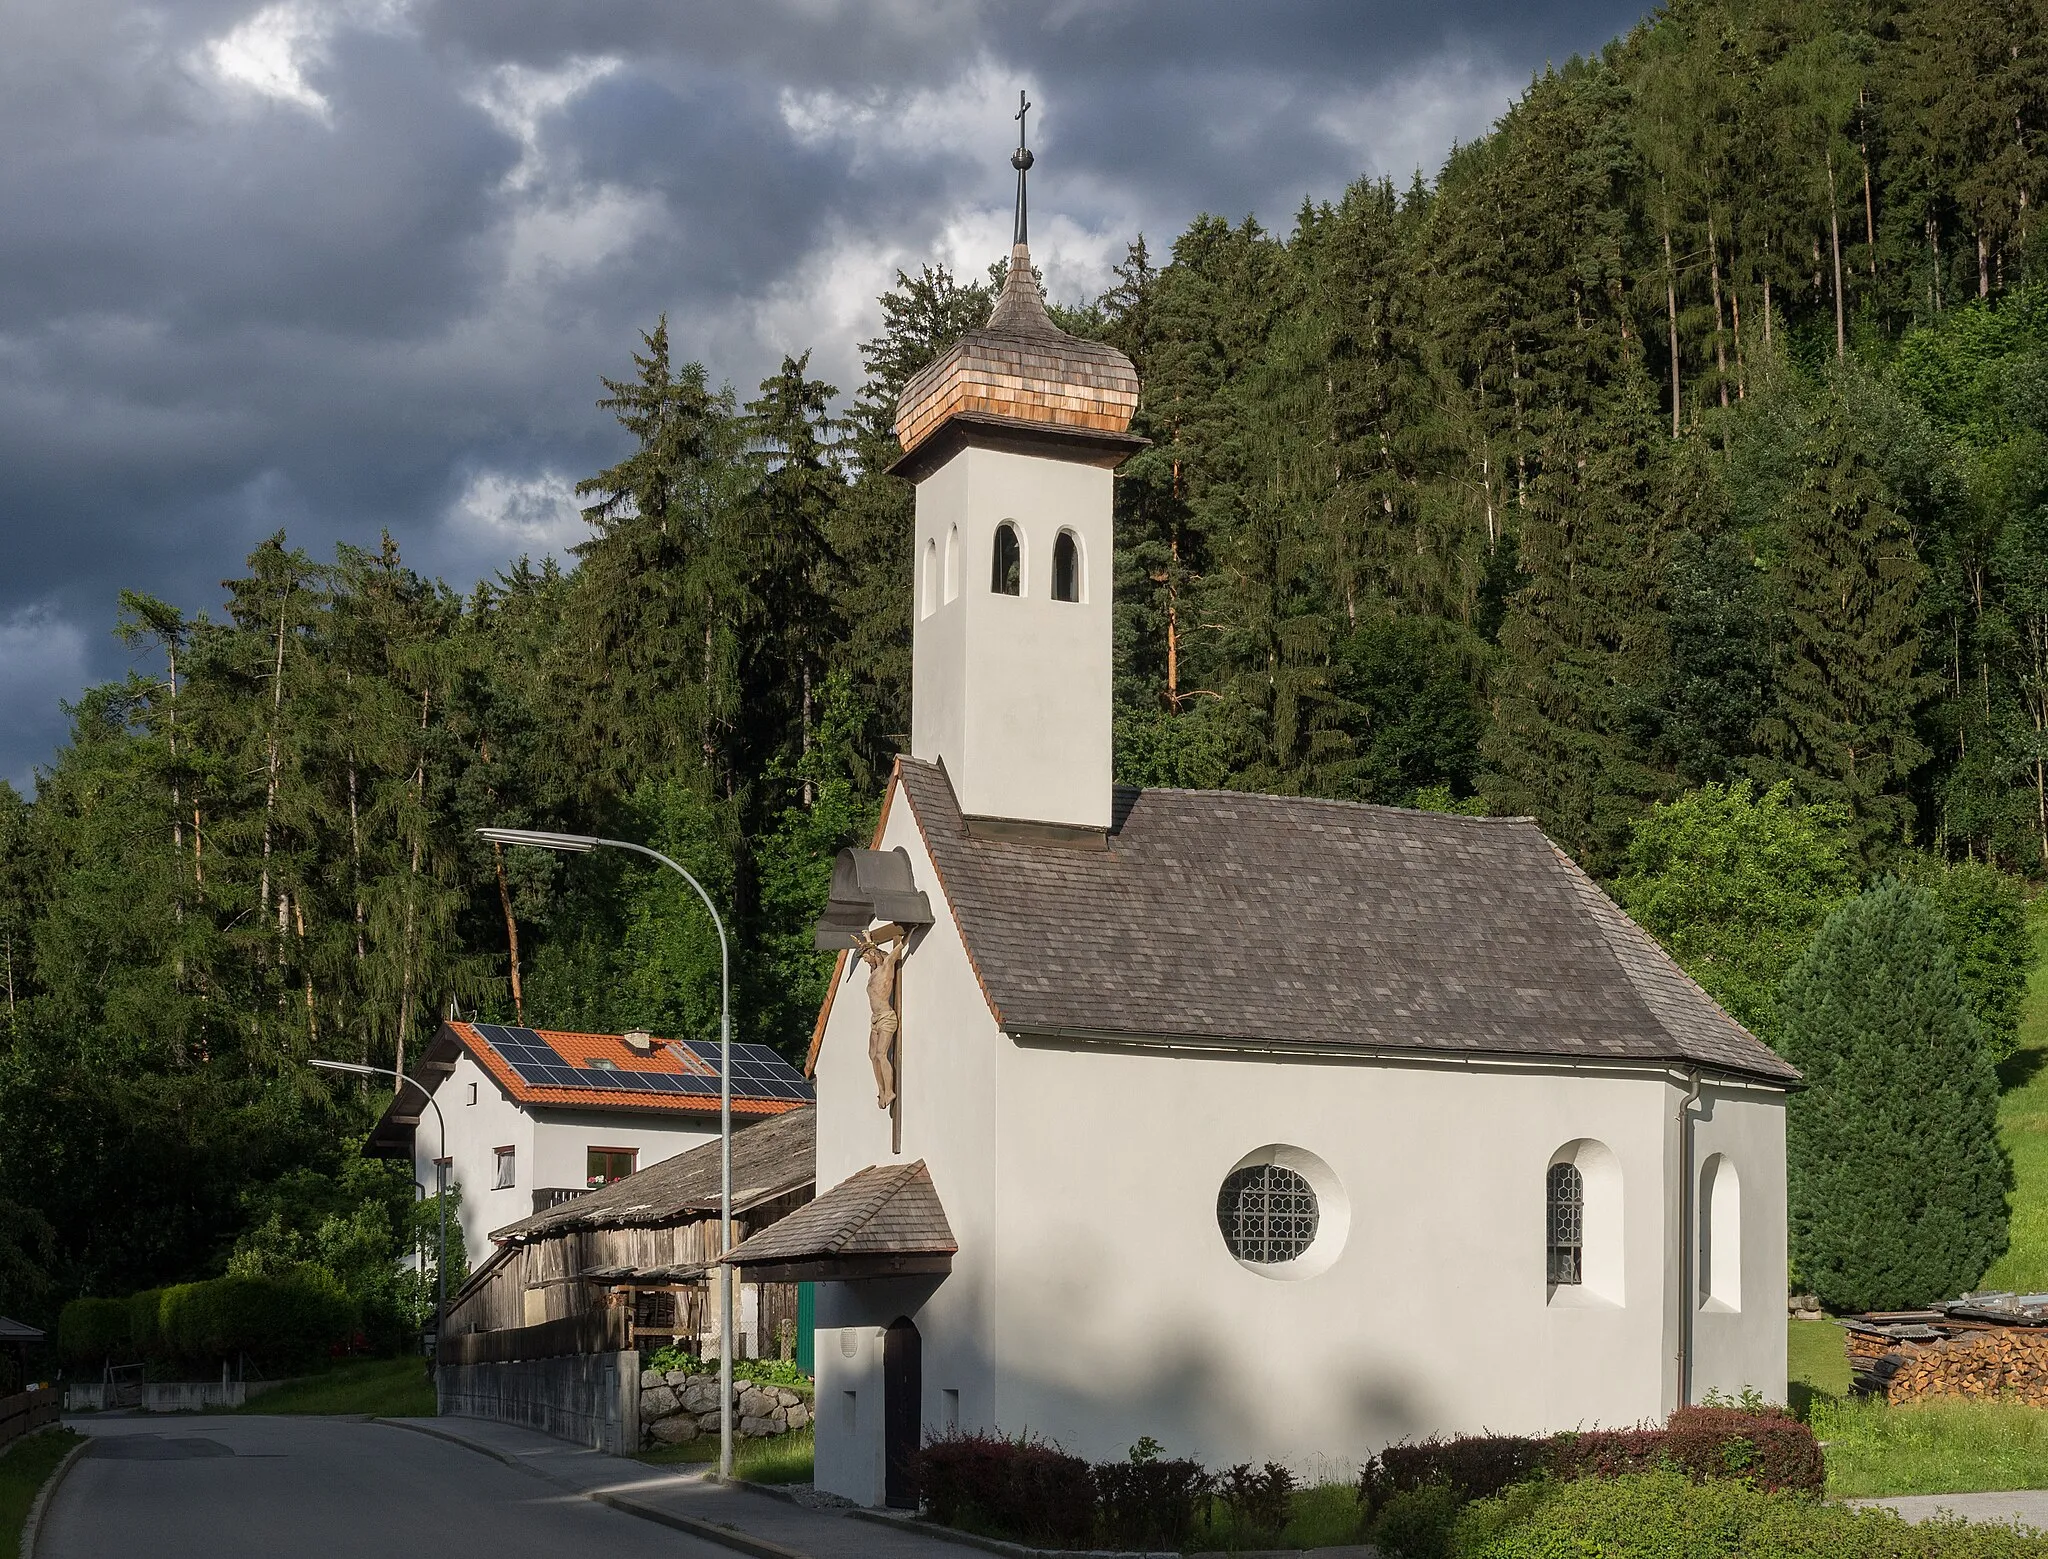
[
  {"x": 583, "y": 844},
  {"x": 440, "y": 1179}
]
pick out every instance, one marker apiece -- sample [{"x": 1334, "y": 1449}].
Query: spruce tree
[
  {"x": 1848, "y": 679},
  {"x": 1898, "y": 1181}
]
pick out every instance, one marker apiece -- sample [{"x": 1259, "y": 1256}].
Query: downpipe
[{"x": 1686, "y": 1242}]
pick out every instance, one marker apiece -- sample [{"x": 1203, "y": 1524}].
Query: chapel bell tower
[{"x": 1011, "y": 438}]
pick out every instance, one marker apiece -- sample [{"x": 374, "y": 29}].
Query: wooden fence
[
  {"x": 594, "y": 1331},
  {"x": 26, "y": 1412}
]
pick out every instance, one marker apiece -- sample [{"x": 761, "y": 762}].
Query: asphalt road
[{"x": 224, "y": 1488}]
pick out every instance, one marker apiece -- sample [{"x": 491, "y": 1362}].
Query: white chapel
[{"x": 1266, "y": 1126}]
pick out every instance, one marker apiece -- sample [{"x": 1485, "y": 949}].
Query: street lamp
[
  {"x": 440, "y": 1179},
  {"x": 583, "y": 844}
]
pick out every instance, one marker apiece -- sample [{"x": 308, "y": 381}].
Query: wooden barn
[{"x": 628, "y": 1266}]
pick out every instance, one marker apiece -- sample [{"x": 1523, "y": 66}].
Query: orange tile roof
[{"x": 581, "y": 1049}]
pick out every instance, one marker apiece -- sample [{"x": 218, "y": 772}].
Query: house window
[
  {"x": 443, "y": 1172},
  {"x": 1267, "y": 1213},
  {"x": 1006, "y": 572},
  {"x": 928, "y": 585},
  {"x": 472, "y": 1093},
  {"x": 605, "y": 1165},
  {"x": 508, "y": 1175},
  {"x": 1565, "y": 1223},
  {"x": 1066, "y": 568}
]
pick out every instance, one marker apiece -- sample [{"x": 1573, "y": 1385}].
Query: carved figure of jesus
[{"x": 882, "y": 952}]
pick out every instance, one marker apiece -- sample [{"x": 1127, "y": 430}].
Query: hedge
[
  {"x": 1020, "y": 1488},
  {"x": 1654, "y": 1515},
  {"x": 278, "y": 1323},
  {"x": 1769, "y": 1449},
  {"x": 89, "y": 1330}
]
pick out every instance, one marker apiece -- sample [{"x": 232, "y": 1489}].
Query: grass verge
[
  {"x": 784, "y": 1458},
  {"x": 1324, "y": 1515},
  {"x": 382, "y": 1388},
  {"x": 1957, "y": 1446},
  {"x": 2023, "y": 1124},
  {"x": 24, "y": 1468}
]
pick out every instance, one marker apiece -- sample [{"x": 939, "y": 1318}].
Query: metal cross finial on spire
[{"x": 1021, "y": 161}]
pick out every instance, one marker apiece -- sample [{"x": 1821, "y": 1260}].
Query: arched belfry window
[
  {"x": 928, "y": 583},
  {"x": 1006, "y": 573},
  {"x": 1066, "y": 568},
  {"x": 1565, "y": 1223}
]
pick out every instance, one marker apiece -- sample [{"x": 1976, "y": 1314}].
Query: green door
[{"x": 807, "y": 1328}]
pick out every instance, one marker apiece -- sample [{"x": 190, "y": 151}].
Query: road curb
[
  {"x": 41, "y": 1502},
  {"x": 625, "y": 1504},
  {"x": 997, "y": 1545}
]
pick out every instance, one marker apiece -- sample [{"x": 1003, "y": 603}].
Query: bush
[
  {"x": 280, "y": 1324},
  {"x": 1897, "y": 1180},
  {"x": 146, "y": 1325},
  {"x": 1259, "y": 1500},
  {"x": 1020, "y": 1488},
  {"x": 1767, "y": 1448},
  {"x": 1149, "y": 1503},
  {"x": 1418, "y": 1523},
  {"x": 92, "y": 1331},
  {"x": 1475, "y": 1466},
  {"x": 1654, "y": 1515},
  {"x": 1985, "y": 914}
]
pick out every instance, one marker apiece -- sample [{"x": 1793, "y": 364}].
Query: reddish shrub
[
  {"x": 1773, "y": 1450},
  {"x": 1770, "y": 1449},
  {"x": 1021, "y": 1488},
  {"x": 1149, "y": 1503},
  {"x": 1479, "y": 1465}
]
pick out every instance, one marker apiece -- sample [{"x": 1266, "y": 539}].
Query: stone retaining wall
[{"x": 676, "y": 1407}]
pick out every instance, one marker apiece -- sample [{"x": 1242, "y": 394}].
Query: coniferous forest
[{"x": 1685, "y": 437}]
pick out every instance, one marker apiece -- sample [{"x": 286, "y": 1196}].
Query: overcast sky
[{"x": 338, "y": 265}]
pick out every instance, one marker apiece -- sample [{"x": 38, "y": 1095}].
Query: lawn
[
  {"x": 380, "y": 1388},
  {"x": 785, "y": 1458},
  {"x": 1944, "y": 1447},
  {"x": 23, "y": 1469},
  {"x": 2023, "y": 1122}
]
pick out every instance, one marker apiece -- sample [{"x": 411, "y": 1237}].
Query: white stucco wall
[
  {"x": 1013, "y": 692},
  {"x": 475, "y": 1131},
  {"x": 549, "y": 1147},
  {"x": 1094, "y": 1301},
  {"x": 1745, "y": 1347}
]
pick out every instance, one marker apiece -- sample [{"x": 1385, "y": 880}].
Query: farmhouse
[
  {"x": 536, "y": 1116},
  {"x": 632, "y": 1265},
  {"x": 1265, "y": 1126}
]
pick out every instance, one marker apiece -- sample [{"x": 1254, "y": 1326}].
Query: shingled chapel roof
[{"x": 1310, "y": 925}]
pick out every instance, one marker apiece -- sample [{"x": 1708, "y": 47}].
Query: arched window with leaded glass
[{"x": 1565, "y": 1224}]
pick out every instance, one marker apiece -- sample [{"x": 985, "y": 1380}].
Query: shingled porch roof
[
  {"x": 1293, "y": 923},
  {"x": 885, "y": 1221}
]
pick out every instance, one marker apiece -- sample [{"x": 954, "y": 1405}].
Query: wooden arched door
[{"x": 902, "y": 1411}]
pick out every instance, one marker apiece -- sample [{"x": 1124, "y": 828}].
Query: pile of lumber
[{"x": 2009, "y": 1362}]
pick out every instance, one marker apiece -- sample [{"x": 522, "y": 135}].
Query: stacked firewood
[
  {"x": 1978, "y": 1346},
  {"x": 2009, "y": 1362}
]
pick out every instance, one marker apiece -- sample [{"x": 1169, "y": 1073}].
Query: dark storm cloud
[{"x": 338, "y": 265}]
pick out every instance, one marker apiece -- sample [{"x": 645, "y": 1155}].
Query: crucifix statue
[{"x": 882, "y": 951}]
